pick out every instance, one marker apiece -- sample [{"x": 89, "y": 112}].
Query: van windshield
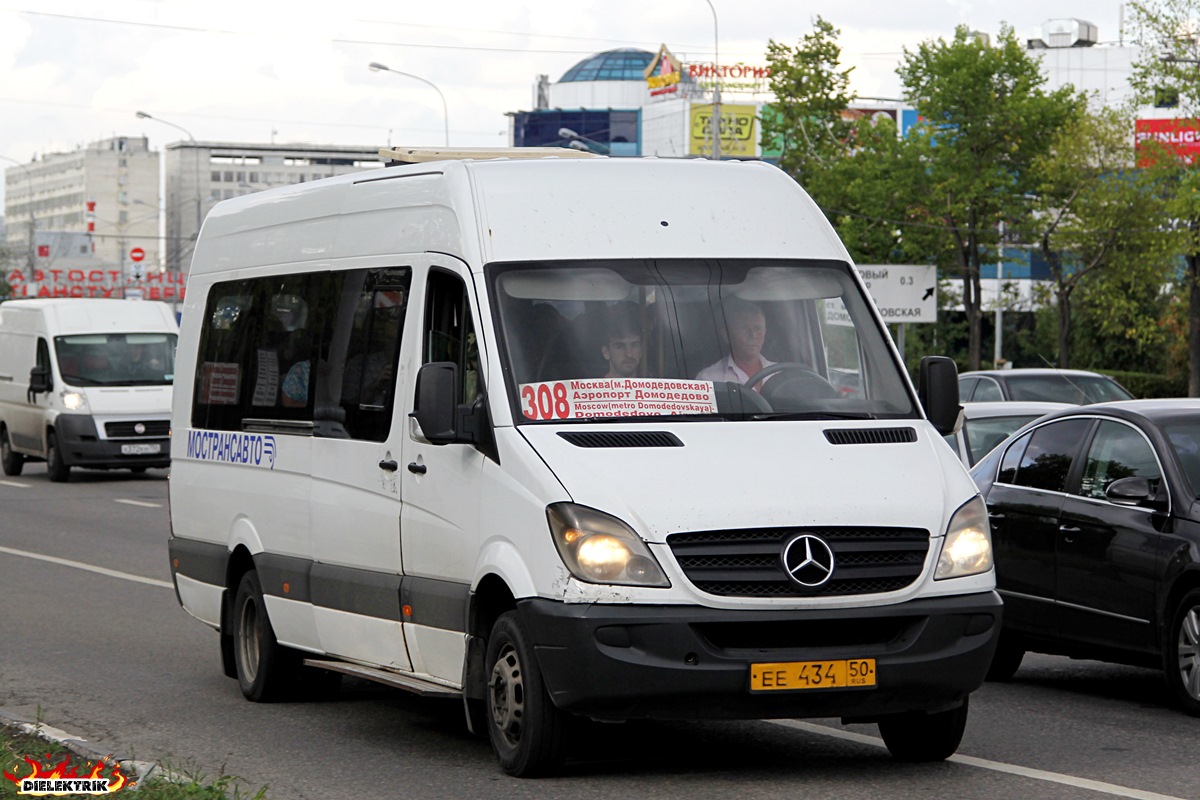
[
  {"x": 693, "y": 339},
  {"x": 116, "y": 359}
]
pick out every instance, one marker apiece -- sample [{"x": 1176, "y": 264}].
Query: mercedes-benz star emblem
[
  {"x": 139, "y": 428},
  {"x": 808, "y": 560}
]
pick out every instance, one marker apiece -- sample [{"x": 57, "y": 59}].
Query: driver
[
  {"x": 622, "y": 347},
  {"x": 747, "y": 328}
]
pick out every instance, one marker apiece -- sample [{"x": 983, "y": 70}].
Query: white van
[
  {"x": 481, "y": 427},
  {"x": 86, "y": 383}
]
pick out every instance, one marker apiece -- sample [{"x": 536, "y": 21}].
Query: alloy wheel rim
[
  {"x": 248, "y": 646},
  {"x": 508, "y": 695},
  {"x": 1188, "y": 650}
]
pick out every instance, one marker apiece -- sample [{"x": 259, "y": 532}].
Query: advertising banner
[
  {"x": 739, "y": 130},
  {"x": 1178, "y": 136}
]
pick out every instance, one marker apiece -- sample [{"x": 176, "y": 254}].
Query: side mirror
[
  {"x": 40, "y": 379},
  {"x": 1129, "y": 491},
  {"x": 937, "y": 389},
  {"x": 435, "y": 409}
]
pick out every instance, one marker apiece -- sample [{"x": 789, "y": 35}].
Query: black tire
[
  {"x": 266, "y": 671},
  {"x": 917, "y": 736},
  {"x": 1182, "y": 653},
  {"x": 525, "y": 727},
  {"x": 11, "y": 462},
  {"x": 1006, "y": 661},
  {"x": 58, "y": 470}
]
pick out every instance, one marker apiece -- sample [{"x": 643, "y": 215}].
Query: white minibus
[
  {"x": 86, "y": 383},
  {"x": 565, "y": 436}
]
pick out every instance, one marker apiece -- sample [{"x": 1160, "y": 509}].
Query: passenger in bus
[
  {"x": 622, "y": 347},
  {"x": 746, "y": 331}
]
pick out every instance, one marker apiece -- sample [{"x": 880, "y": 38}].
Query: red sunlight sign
[{"x": 1178, "y": 136}]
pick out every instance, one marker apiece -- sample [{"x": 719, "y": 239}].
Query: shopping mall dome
[{"x": 625, "y": 64}]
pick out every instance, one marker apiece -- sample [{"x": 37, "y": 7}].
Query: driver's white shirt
[{"x": 727, "y": 370}]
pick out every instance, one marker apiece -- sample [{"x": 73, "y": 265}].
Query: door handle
[
  {"x": 417, "y": 469},
  {"x": 996, "y": 517},
  {"x": 1069, "y": 529},
  {"x": 389, "y": 465}
]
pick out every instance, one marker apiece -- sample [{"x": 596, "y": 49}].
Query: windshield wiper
[{"x": 793, "y": 415}]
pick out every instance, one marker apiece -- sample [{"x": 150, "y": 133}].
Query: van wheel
[
  {"x": 1006, "y": 661},
  {"x": 12, "y": 462},
  {"x": 58, "y": 470},
  {"x": 524, "y": 725},
  {"x": 266, "y": 671},
  {"x": 1182, "y": 667},
  {"x": 916, "y": 736}
]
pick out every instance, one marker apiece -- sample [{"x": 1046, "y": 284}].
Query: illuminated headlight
[
  {"x": 74, "y": 401},
  {"x": 597, "y": 548},
  {"x": 967, "y": 548}
]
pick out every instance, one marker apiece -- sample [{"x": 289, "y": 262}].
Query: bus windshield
[
  {"x": 695, "y": 340},
  {"x": 116, "y": 359}
]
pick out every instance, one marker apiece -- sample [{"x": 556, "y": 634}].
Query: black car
[{"x": 1095, "y": 522}]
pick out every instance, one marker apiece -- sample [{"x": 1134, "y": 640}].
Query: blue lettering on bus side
[{"x": 254, "y": 449}]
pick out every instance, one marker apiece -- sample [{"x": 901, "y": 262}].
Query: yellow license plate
[{"x": 793, "y": 675}]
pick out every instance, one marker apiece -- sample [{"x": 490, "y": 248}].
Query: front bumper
[
  {"x": 683, "y": 662},
  {"x": 82, "y": 446}
]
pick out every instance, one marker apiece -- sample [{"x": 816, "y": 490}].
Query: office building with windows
[{"x": 200, "y": 174}]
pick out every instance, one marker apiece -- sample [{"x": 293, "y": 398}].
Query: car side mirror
[
  {"x": 435, "y": 411},
  {"x": 937, "y": 389},
  {"x": 40, "y": 379},
  {"x": 1129, "y": 491}
]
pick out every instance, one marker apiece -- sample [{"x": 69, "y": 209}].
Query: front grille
[
  {"x": 155, "y": 429},
  {"x": 794, "y": 634},
  {"x": 748, "y": 563}
]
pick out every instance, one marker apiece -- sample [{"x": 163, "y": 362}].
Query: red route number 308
[{"x": 545, "y": 401}]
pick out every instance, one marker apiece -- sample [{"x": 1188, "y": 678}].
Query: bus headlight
[
  {"x": 967, "y": 547},
  {"x": 598, "y": 548}
]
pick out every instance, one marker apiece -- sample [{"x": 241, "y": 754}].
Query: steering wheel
[{"x": 796, "y": 381}]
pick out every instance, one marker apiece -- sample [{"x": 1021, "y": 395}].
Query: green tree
[
  {"x": 1169, "y": 64},
  {"x": 1095, "y": 213},
  {"x": 988, "y": 118},
  {"x": 811, "y": 91}
]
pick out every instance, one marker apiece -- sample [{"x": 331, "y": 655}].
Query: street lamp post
[
  {"x": 375, "y": 66},
  {"x": 29, "y": 260},
  {"x": 196, "y": 158},
  {"x": 715, "y": 154}
]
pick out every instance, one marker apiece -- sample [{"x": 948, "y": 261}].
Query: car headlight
[
  {"x": 74, "y": 401},
  {"x": 598, "y": 548},
  {"x": 967, "y": 547}
]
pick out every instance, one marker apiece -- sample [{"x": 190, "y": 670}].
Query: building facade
[
  {"x": 198, "y": 175},
  {"x": 106, "y": 193}
]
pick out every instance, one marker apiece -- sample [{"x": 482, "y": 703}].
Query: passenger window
[
  {"x": 1012, "y": 459},
  {"x": 356, "y": 377},
  {"x": 1047, "y": 459},
  {"x": 1117, "y": 451},
  {"x": 449, "y": 332},
  {"x": 988, "y": 391},
  {"x": 318, "y": 348},
  {"x": 965, "y": 387}
]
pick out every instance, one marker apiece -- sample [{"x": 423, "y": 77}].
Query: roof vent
[
  {"x": 623, "y": 439},
  {"x": 871, "y": 435}
]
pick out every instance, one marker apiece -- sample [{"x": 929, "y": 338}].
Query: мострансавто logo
[
  {"x": 61, "y": 780},
  {"x": 254, "y": 449}
]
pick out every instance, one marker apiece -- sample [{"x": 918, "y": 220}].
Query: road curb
[{"x": 139, "y": 770}]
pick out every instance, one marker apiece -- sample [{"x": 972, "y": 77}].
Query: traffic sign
[
  {"x": 902, "y": 293},
  {"x": 137, "y": 254}
]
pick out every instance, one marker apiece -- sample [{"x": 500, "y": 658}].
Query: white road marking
[
  {"x": 16, "y": 484},
  {"x": 141, "y": 503},
  {"x": 112, "y": 573},
  {"x": 983, "y": 763}
]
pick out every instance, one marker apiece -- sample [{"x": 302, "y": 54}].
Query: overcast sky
[{"x": 260, "y": 70}]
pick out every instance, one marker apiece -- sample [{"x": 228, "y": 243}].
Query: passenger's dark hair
[{"x": 621, "y": 320}]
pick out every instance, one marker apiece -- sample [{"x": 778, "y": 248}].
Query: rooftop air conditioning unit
[{"x": 1067, "y": 33}]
